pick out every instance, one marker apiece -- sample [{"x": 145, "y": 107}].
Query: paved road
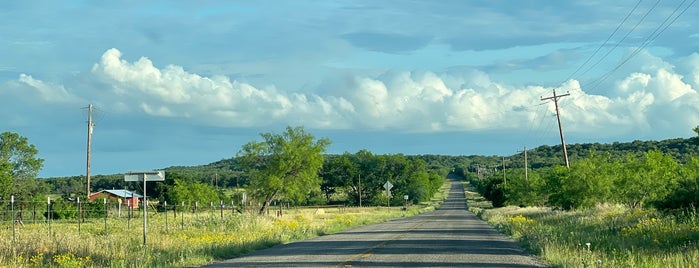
[{"x": 450, "y": 236}]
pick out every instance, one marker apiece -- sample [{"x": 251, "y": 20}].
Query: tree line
[
  {"x": 292, "y": 167},
  {"x": 289, "y": 167},
  {"x": 667, "y": 179}
]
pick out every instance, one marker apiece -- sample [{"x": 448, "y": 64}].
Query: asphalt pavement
[{"x": 450, "y": 236}]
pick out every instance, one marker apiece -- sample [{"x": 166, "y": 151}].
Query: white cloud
[
  {"x": 30, "y": 89},
  {"x": 400, "y": 100},
  {"x": 690, "y": 66}
]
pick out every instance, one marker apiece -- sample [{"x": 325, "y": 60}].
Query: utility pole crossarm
[
  {"x": 555, "y": 97},
  {"x": 560, "y": 128}
]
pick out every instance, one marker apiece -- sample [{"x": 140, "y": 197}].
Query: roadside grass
[
  {"x": 604, "y": 236},
  {"x": 194, "y": 240}
]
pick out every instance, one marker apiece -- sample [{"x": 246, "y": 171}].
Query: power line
[
  {"x": 606, "y": 41},
  {"x": 654, "y": 35},
  {"x": 669, "y": 20},
  {"x": 586, "y": 62},
  {"x": 623, "y": 38}
]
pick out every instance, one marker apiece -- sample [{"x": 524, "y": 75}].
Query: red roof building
[{"x": 126, "y": 197}]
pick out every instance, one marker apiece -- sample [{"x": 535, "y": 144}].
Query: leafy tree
[
  {"x": 190, "y": 192},
  {"x": 16, "y": 150},
  {"x": 372, "y": 178},
  {"x": 19, "y": 163},
  {"x": 493, "y": 190},
  {"x": 66, "y": 186},
  {"x": 436, "y": 181},
  {"x": 650, "y": 178},
  {"x": 684, "y": 195},
  {"x": 417, "y": 181},
  {"x": 283, "y": 165},
  {"x": 588, "y": 182},
  {"x": 521, "y": 191},
  {"x": 178, "y": 188},
  {"x": 410, "y": 176},
  {"x": 5, "y": 179},
  {"x": 339, "y": 172},
  {"x": 107, "y": 182}
]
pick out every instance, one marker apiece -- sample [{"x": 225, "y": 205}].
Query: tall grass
[
  {"x": 194, "y": 240},
  {"x": 604, "y": 236}
]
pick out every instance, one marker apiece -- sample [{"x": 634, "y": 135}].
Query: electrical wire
[
  {"x": 607, "y": 41},
  {"x": 622, "y": 39},
  {"x": 649, "y": 39},
  {"x": 652, "y": 37}
]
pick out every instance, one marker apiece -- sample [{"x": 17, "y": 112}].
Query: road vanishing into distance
[{"x": 450, "y": 236}]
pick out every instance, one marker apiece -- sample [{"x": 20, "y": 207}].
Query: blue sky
[{"x": 190, "y": 82}]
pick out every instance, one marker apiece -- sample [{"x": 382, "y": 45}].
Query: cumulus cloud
[
  {"x": 30, "y": 89},
  {"x": 401, "y": 100}
]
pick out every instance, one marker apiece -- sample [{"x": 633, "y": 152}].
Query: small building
[{"x": 125, "y": 197}]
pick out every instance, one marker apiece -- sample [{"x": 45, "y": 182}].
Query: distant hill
[
  {"x": 226, "y": 174},
  {"x": 543, "y": 156}
]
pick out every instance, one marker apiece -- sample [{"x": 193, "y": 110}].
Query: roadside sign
[
  {"x": 387, "y": 185},
  {"x": 155, "y": 175},
  {"x": 144, "y": 176}
]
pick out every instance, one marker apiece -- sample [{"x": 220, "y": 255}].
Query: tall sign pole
[
  {"x": 360, "y": 190},
  {"x": 560, "y": 128},
  {"x": 145, "y": 207},
  {"x": 90, "y": 125},
  {"x": 144, "y": 176}
]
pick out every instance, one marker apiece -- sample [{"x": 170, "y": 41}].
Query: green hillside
[{"x": 226, "y": 174}]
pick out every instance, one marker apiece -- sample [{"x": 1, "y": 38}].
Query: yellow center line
[{"x": 368, "y": 252}]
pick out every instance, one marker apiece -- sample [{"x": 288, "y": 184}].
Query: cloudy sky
[{"x": 189, "y": 82}]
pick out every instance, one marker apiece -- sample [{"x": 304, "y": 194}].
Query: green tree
[
  {"x": 340, "y": 172},
  {"x": 525, "y": 191},
  {"x": 493, "y": 189},
  {"x": 18, "y": 161},
  {"x": 371, "y": 171},
  {"x": 684, "y": 195},
  {"x": 650, "y": 178},
  {"x": 588, "y": 182},
  {"x": 283, "y": 165},
  {"x": 190, "y": 192},
  {"x": 5, "y": 180}
]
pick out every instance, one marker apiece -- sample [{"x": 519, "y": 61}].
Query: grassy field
[
  {"x": 606, "y": 236},
  {"x": 194, "y": 240}
]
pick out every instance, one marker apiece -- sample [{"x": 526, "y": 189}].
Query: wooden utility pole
[
  {"x": 216, "y": 180},
  {"x": 560, "y": 128},
  {"x": 526, "y": 165},
  {"x": 90, "y": 125},
  {"x": 504, "y": 178}
]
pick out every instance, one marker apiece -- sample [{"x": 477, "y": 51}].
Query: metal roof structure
[{"x": 121, "y": 193}]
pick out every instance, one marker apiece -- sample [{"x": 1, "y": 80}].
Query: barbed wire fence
[{"x": 114, "y": 215}]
